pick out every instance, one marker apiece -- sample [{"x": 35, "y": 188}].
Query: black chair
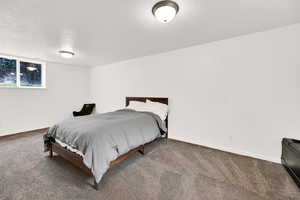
[
  {"x": 290, "y": 158},
  {"x": 87, "y": 109}
]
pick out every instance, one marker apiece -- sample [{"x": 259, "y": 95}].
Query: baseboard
[
  {"x": 229, "y": 150},
  {"x": 233, "y": 151},
  {"x": 25, "y": 133}
]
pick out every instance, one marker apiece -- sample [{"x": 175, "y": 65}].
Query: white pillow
[
  {"x": 160, "y": 109},
  {"x": 157, "y": 108},
  {"x": 136, "y": 105}
]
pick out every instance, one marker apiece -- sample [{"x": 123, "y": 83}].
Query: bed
[{"x": 129, "y": 132}]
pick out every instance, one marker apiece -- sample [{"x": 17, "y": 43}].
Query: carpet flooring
[{"x": 170, "y": 171}]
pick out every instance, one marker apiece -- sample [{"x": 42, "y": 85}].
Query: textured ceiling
[{"x": 102, "y": 32}]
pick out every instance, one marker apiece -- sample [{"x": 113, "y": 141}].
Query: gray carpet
[{"x": 168, "y": 171}]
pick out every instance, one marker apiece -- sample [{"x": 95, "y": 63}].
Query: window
[
  {"x": 21, "y": 73},
  {"x": 8, "y": 72},
  {"x": 30, "y": 74}
]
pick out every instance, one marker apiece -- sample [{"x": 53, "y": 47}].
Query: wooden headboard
[
  {"x": 163, "y": 100},
  {"x": 143, "y": 99}
]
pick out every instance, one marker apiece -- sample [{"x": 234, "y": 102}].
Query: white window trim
[{"x": 18, "y": 81}]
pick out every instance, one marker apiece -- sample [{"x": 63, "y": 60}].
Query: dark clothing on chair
[{"x": 87, "y": 109}]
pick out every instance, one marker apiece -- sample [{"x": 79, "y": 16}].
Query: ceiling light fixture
[
  {"x": 165, "y": 11},
  {"x": 66, "y": 54}
]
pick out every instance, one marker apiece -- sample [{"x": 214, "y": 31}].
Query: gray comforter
[{"x": 103, "y": 137}]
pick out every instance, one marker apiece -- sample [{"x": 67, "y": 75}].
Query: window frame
[{"x": 18, "y": 71}]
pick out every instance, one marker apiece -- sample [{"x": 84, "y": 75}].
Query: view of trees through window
[
  {"x": 30, "y": 74},
  {"x": 15, "y": 72},
  {"x": 8, "y": 72}
]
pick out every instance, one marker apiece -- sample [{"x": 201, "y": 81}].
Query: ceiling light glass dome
[
  {"x": 165, "y": 11},
  {"x": 66, "y": 54}
]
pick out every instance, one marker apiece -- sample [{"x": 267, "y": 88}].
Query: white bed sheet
[{"x": 69, "y": 147}]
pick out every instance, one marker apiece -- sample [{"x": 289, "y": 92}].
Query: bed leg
[
  {"x": 51, "y": 151},
  {"x": 96, "y": 185},
  {"x": 166, "y": 138},
  {"x": 142, "y": 151}
]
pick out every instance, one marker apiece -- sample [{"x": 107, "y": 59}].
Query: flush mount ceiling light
[
  {"x": 66, "y": 54},
  {"x": 165, "y": 11}
]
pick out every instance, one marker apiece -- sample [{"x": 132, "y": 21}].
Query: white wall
[
  {"x": 240, "y": 95},
  {"x": 28, "y": 109}
]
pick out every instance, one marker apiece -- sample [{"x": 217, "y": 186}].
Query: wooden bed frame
[{"x": 77, "y": 160}]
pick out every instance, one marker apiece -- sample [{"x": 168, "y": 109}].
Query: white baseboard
[
  {"x": 22, "y": 131},
  {"x": 232, "y": 150}
]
